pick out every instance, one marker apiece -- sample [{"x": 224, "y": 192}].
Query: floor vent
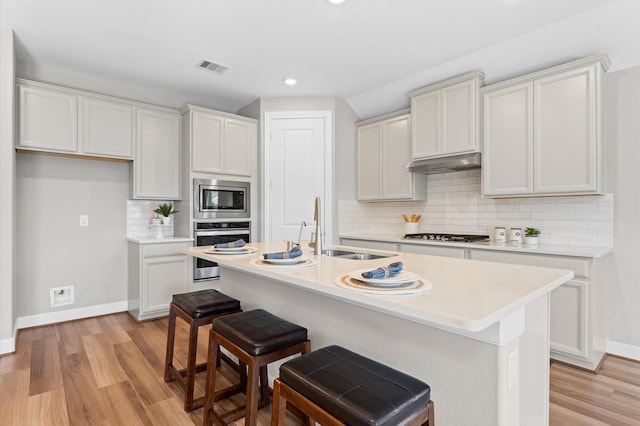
[{"x": 212, "y": 66}]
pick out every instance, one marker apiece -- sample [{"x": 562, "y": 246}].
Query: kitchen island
[{"x": 479, "y": 337}]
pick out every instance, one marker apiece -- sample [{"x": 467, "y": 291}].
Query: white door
[{"x": 296, "y": 155}]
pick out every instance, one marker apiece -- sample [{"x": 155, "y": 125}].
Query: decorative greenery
[
  {"x": 531, "y": 232},
  {"x": 165, "y": 209}
]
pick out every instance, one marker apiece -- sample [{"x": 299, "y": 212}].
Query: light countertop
[
  {"x": 466, "y": 295},
  {"x": 550, "y": 249}
]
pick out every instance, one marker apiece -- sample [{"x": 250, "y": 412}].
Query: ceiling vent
[{"x": 212, "y": 66}]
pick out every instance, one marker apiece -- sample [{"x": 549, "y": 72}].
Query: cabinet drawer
[
  {"x": 579, "y": 266},
  {"x": 458, "y": 253},
  {"x": 170, "y": 249}
]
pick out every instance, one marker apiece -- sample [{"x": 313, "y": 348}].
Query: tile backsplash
[
  {"x": 454, "y": 205},
  {"x": 139, "y": 215}
]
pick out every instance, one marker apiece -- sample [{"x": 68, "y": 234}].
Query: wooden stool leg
[
  {"x": 278, "y": 411},
  {"x": 251, "y": 411},
  {"x": 171, "y": 334},
  {"x": 191, "y": 365},
  {"x": 210, "y": 389},
  {"x": 264, "y": 384},
  {"x": 432, "y": 420}
]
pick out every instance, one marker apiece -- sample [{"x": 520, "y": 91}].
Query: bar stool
[
  {"x": 197, "y": 309},
  {"x": 335, "y": 386},
  {"x": 257, "y": 338}
]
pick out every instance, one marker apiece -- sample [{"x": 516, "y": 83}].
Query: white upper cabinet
[
  {"x": 383, "y": 152},
  {"x": 221, "y": 143},
  {"x": 67, "y": 121},
  {"x": 156, "y": 169},
  {"x": 107, "y": 128},
  {"x": 543, "y": 133},
  {"x": 445, "y": 117},
  {"x": 48, "y": 119}
]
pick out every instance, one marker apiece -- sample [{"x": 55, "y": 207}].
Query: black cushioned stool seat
[
  {"x": 197, "y": 309},
  {"x": 257, "y": 338},
  {"x": 336, "y": 386}
]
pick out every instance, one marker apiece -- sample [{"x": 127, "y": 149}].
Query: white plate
[
  {"x": 412, "y": 287},
  {"x": 229, "y": 248},
  {"x": 264, "y": 264},
  {"x": 236, "y": 250},
  {"x": 402, "y": 278},
  {"x": 293, "y": 261}
]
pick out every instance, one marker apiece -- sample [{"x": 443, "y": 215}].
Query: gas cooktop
[{"x": 446, "y": 237}]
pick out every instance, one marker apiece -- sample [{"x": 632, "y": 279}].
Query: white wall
[
  {"x": 7, "y": 192},
  {"x": 53, "y": 250}
]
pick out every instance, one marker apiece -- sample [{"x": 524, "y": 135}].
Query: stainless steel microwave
[{"x": 221, "y": 199}]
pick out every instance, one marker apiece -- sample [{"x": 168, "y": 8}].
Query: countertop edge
[{"x": 546, "y": 249}]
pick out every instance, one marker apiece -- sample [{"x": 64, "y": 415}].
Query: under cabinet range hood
[{"x": 450, "y": 163}]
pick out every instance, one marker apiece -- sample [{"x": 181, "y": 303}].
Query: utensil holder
[{"x": 411, "y": 228}]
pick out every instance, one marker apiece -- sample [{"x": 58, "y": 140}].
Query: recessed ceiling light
[
  {"x": 290, "y": 81},
  {"x": 337, "y": 1}
]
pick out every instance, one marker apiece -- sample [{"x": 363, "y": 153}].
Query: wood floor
[{"x": 108, "y": 371}]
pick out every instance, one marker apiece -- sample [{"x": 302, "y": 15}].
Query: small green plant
[
  {"x": 165, "y": 209},
  {"x": 531, "y": 231}
]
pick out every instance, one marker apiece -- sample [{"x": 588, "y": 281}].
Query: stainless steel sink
[{"x": 345, "y": 254}]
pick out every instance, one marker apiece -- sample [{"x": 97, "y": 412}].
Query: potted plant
[
  {"x": 531, "y": 235},
  {"x": 165, "y": 210}
]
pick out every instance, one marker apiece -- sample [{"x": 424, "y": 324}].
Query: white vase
[
  {"x": 531, "y": 239},
  {"x": 166, "y": 220}
]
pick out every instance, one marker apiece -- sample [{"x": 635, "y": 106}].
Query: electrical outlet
[
  {"x": 84, "y": 220},
  {"x": 61, "y": 296}
]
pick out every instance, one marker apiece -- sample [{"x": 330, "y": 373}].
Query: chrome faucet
[{"x": 317, "y": 240}]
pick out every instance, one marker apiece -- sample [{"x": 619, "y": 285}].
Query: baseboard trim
[
  {"x": 8, "y": 346},
  {"x": 624, "y": 350},
  {"x": 70, "y": 314}
]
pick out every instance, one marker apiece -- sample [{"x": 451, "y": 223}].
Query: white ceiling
[{"x": 352, "y": 51}]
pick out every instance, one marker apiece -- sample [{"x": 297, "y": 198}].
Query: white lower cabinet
[
  {"x": 156, "y": 272},
  {"x": 578, "y": 307}
]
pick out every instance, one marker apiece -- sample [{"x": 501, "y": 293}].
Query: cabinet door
[
  {"x": 157, "y": 161},
  {"x": 162, "y": 277},
  {"x": 48, "y": 120},
  {"x": 426, "y": 119},
  {"x": 565, "y": 132},
  {"x": 508, "y": 141},
  {"x": 569, "y": 319},
  {"x": 397, "y": 182},
  {"x": 239, "y": 140},
  {"x": 369, "y": 162},
  {"x": 459, "y": 118},
  {"x": 207, "y": 138},
  {"x": 107, "y": 128}
]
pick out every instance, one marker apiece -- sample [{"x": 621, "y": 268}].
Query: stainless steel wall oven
[{"x": 210, "y": 233}]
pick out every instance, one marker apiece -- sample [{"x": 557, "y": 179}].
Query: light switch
[{"x": 84, "y": 220}]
